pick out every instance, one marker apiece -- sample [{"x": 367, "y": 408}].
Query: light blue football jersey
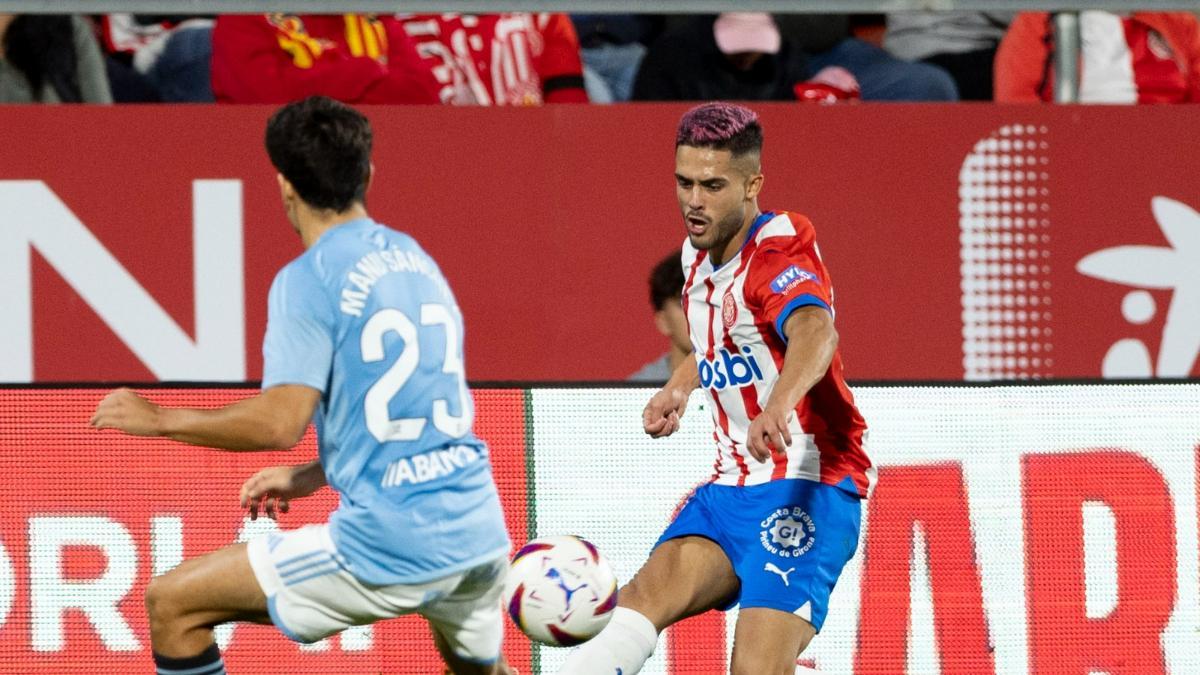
[{"x": 366, "y": 317}]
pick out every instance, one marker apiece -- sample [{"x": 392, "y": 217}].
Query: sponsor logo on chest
[{"x": 729, "y": 370}]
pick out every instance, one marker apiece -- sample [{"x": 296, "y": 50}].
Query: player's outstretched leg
[
  {"x": 683, "y": 577},
  {"x": 467, "y": 622},
  {"x": 185, "y": 603},
  {"x": 456, "y": 665},
  {"x": 767, "y": 642}
]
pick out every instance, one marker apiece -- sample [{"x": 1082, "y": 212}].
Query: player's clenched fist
[
  {"x": 271, "y": 489},
  {"x": 769, "y": 431},
  {"x": 661, "y": 415},
  {"x": 125, "y": 410}
]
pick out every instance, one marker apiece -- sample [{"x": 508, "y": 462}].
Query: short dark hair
[
  {"x": 666, "y": 281},
  {"x": 42, "y": 48},
  {"x": 721, "y": 126},
  {"x": 323, "y": 148}
]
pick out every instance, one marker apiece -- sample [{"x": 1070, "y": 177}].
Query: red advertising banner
[
  {"x": 1040, "y": 530},
  {"x": 90, "y": 517},
  {"x": 978, "y": 242}
]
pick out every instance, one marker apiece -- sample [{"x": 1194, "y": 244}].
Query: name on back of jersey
[
  {"x": 427, "y": 466},
  {"x": 729, "y": 370},
  {"x": 373, "y": 266}
]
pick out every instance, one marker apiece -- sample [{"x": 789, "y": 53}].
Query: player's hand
[
  {"x": 661, "y": 416},
  {"x": 125, "y": 410},
  {"x": 769, "y": 432},
  {"x": 269, "y": 491}
]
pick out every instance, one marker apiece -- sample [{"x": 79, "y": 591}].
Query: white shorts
[{"x": 311, "y": 594}]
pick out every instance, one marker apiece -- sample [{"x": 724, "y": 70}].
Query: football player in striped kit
[{"x": 773, "y": 528}]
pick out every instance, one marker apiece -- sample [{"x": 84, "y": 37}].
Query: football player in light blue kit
[{"x": 365, "y": 339}]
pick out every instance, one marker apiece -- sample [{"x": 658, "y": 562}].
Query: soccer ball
[{"x": 560, "y": 591}]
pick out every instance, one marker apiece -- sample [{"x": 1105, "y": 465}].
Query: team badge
[
  {"x": 788, "y": 532},
  {"x": 729, "y": 310}
]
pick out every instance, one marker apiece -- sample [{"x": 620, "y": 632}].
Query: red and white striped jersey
[
  {"x": 514, "y": 59},
  {"x": 735, "y": 314},
  {"x": 1140, "y": 57}
]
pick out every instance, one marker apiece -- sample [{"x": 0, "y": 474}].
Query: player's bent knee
[
  {"x": 155, "y": 599},
  {"x": 164, "y": 604},
  {"x": 156, "y": 604}
]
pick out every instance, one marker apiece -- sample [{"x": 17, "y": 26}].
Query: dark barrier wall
[{"x": 964, "y": 241}]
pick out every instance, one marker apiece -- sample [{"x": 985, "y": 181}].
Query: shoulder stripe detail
[{"x": 779, "y": 226}]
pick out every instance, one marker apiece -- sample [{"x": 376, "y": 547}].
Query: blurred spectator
[
  {"x": 832, "y": 84},
  {"x": 50, "y": 59},
  {"x": 500, "y": 59},
  {"x": 1143, "y": 57},
  {"x": 354, "y": 58},
  {"x": 159, "y": 58},
  {"x": 736, "y": 56},
  {"x": 666, "y": 297},
  {"x": 855, "y": 42},
  {"x": 613, "y": 46},
  {"x": 962, "y": 43}
]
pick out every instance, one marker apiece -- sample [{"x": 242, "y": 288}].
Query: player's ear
[
  {"x": 370, "y": 176},
  {"x": 754, "y": 185},
  {"x": 286, "y": 192},
  {"x": 662, "y": 323}
]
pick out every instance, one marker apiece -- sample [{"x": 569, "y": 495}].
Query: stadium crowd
[{"x": 530, "y": 59}]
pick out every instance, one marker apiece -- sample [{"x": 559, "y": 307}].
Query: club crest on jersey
[
  {"x": 790, "y": 278},
  {"x": 729, "y": 370},
  {"x": 729, "y": 310},
  {"x": 788, "y": 532}
]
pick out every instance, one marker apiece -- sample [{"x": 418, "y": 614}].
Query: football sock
[
  {"x": 621, "y": 648},
  {"x": 207, "y": 662}
]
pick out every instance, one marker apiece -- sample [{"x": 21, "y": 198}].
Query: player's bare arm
[
  {"x": 812, "y": 340},
  {"x": 271, "y": 489},
  {"x": 661, "y": 416},
  {"x": 275, "y": 419}
]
